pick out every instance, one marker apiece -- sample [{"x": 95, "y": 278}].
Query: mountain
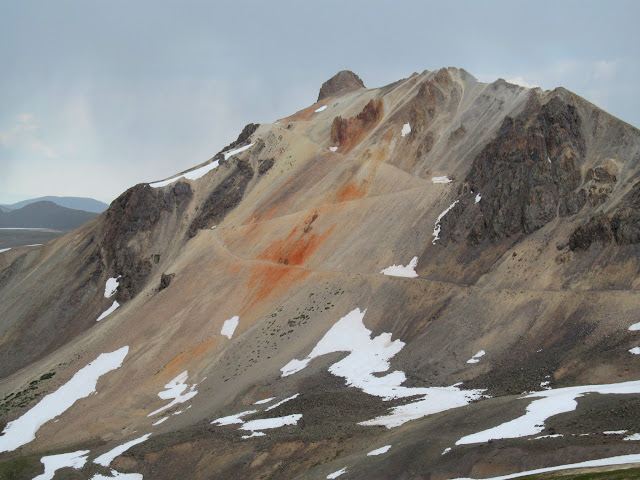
[
  {"x": 44, "y": 215},
  {"x": 75, "y": 203},
  {"x": 434, "y": 279},
  {"x": 4, "y": 209}
]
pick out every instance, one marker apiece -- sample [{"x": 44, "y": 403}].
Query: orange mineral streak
[
  {"x": 186, "y": 360},
  {"x": 286, "y": 255},
  {"x": 353, "y": 191}
]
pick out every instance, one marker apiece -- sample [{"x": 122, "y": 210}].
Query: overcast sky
[{"x": 98, "y": 96}]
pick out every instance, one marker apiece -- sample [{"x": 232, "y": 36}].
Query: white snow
[
  {"x": 82, "y": 384},
  {"x": 231, "y": 419},
  {"x": 336, "y": 474},
  {"x": 108, "y": 311},
  {"x": 632, "y": 437},
  {"x": 333, "y": 149},
  {"x": 253, "y": 434},
  {"x": 615, "y": 432},
  {"x": 121, "y": 476},
  {"x": 443, "y": 179},
  {"x": 369, "y": 356},
  {"x": 229, "y": 326},
  {"x": 406, "y": 129},
  {"x": 4, "y": 249},
  {"x": 476, "y": 357},
  {"x": 557, "y": 435},
  {"x": 111, "y": 287},
  {"x": 106, "y": 458},
  {"x": 634, "y": 327},
  {"x": 545, "y": 385},
  {"x": 237, "y": 150},
  {"x": 34, "y": 245},
  {"x": 402, "y": 271},
  {"x": 268, "y": 423},
  {"x": 175, "y": 389},
  {"x": 635, "y": 350},
  {"x": 163, "y": 419},
  {"x": 54, "y": 462},
  {"x": 602, "y": 462},
  {"x": 548, "y": 404},
  {"x": 321, "y": 109},
  {"x": 446, "y": 450},
  {"x": 478, "y": 198},
  {"x": 276, "y": 405},
  {"x": 379, "y": 451},
  {"x": 201, "y": 171},
  {"x": 437, "y": 228},
  {"x": 266, "y": 400}
]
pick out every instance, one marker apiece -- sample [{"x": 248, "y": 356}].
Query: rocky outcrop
[
  {"x": 622, "y": 226},
  {"x": 134, "y": 214},
  {"x": 341, "y": 82},
  {"x": 243, "y": 138},
  {"x": 526, "y": 176},
  {"x": 347, "y": 133},
  {"x": 224, "y": 197}
]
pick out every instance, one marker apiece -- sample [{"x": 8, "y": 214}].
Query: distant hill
[
  {"x": 4, "y": 209},
  {"x": 45, "y": 215},
  {"x": 76, "y": 203}
]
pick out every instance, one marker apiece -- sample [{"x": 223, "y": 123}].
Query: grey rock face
[{"x": 341, "y": 82}]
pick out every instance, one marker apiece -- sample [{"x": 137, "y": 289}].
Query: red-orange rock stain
[
  {"x": 183, "y": 360},
  {"x": 352, "y": 191},
  {"x": 286, "y": 255}
]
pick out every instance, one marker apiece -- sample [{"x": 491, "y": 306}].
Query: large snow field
[
  {"x": 82, "y": 384},
  {"x": 548, "y": 404},
  {"x": 63, "y": 460},
  {"x": 370, "y": 356}
]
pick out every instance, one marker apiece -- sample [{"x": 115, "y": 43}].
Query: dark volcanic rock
[
  {"x": 165, "y": 280},
  {"x": 529, "y": 173},
  {"x": 341, "y": 82},
  {"x": 244, "y": 137},
  {"x": 137, "y": 210},
  {"x": 223, "y": 198}
]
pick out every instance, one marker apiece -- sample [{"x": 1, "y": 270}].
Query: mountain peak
[{"x": 341, "y": 82}]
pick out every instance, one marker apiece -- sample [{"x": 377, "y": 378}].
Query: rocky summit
[{"x": 435, "y": 279}]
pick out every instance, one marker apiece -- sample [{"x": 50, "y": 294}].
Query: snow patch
[
  {"x": 321, "y": 109},
  {"x": 268, "y": 423},
  {"x": 232, "y": 419},
  {"x": 478, "y": 198},
  {"x": 402, "y": 271},
  {"x": 108, "y": 311},
  {"x": 476, "y": 357},
  {"x": 548, "y": 404},
  {"x": 437, "y": 229},
  {"x": 557, "y": 435},
  {"x": 253, "y": 434},
  {"x": 369, "y": 356},
  {"x": 162, "y": 420},
  {"x": 229, "y": 327},
  {"x": 615, "y": 432},
  {"x": 336, "y": 474},
  {"x": 111, "y": 287},
  {"x": 23, "y": 430},
  {"x": 121, "y": 476},
  {"x": 634, "y": 327},
  {"x": 106, "y": 458},
  {"x": 379, "y": 451},
  {"x": 406, "y": 129},
  {"x": 620, "y": 460},
  {"x": 446, "y": 450},
  {"x": 266, "y": 400},
  {"x": 276, "y": 405},
  {"x": 333, "y": 149},
  {"x": 633, "y": 437},
  {"x": 54, "y": 462},
  {"x": 4, "y": 249},
  {"x": 201, "y": 171},
  {"x": 443, "y": 179},
  {"x": 635, "y": 350},
  {"x": 175, "y": 389}
]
